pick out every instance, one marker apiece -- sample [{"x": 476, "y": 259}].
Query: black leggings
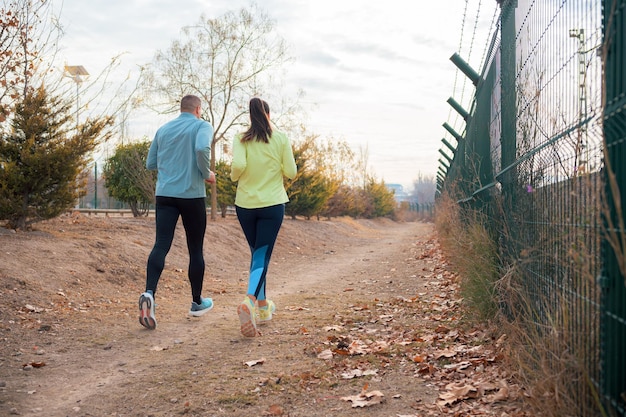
[
  {"x": 193, "y": 213},
  {"x": 261, "y": 227}
]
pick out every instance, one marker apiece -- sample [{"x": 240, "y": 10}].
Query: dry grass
[
  {"x": 547, "y": 355},
  {"x": 404, "y": 214},
  {"x": 473, "y": 253}
]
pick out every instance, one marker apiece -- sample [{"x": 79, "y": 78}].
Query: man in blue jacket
[{"x": 181, "y": 155}]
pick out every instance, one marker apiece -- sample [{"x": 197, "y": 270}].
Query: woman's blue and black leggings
[
  {"x": 193, "y": 213},
  {"x": 261, "y": 227}
]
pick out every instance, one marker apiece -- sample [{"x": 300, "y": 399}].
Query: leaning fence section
[{"x": 541, "y": 156}]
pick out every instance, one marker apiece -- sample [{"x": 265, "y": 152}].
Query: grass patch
[
  {"x": 472, "y": 251},
  {"x": 551, "y": 339},
  {"x": 549, "y": 354}
]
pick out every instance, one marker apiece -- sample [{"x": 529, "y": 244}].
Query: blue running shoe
[
  {"x": 146, "y": 311},
  {"x": 199, "y": 309}
]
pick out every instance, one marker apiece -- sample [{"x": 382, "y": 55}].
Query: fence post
[
  {"x": 613, "y": 275},
  {"x": 459, "y": 164},
  {"x": 509, "y": 99}
]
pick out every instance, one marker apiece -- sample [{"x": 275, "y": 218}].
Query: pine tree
[
  {"x": 225, "y": 187},
  {"x": 41, "y": 159},
  {"x": 310, "y": 190},
  {"x": 383, "y": 201}
]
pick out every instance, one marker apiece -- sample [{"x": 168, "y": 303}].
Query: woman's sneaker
[
  {"x": 265, "y": 312},
  {"x": 247, "y": 313},
  {"x": 146, "y": 311},
  {"x": 197, "y": 310}
]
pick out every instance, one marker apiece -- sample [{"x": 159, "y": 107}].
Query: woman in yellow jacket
[{"x": 262, "y": 156}]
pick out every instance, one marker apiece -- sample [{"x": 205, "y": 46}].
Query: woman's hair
[{"x": 260, "y": 128}]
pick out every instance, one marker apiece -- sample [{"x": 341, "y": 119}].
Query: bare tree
[
  {"x": 27, "y": 44},
  {"x": 362, "y": 173},
  {"x": 30, "y": 34},
  {"x": 224, "y": 61},
  {"x": 424, "y": 188}
]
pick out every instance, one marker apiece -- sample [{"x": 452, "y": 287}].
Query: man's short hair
[{"x": 189, "y": 103}]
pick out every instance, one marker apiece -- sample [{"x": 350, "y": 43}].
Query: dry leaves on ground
[{"x": 423, "y": 335}]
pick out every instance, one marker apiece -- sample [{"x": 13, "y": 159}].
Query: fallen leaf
[
  {"x": 459, "y": 366},
  {"x": 418, "y": 358},
  {"x": 442, "y": 329},
  {"x": 457, "y": 392},
  {"x": 365, "y": 399},
  {"x": 325, "y": 354},
  {"x": 355, "y": 373},
  {"x": 488, "y": 386},
  {"x": 274, "y": 410},
  {"x": 426, "y": 369},
  {"x": 379, "y": 346},
  {"x": 447, "y": 353},
  {"x": 158, "y": 348},
  {"x": 255, "y": 362},
  {"x": 295, "y": 308},
  {"x": 501, "y": 395},
  {"x": 33, "y": 308},
  {"x": 357, "y": 348}
]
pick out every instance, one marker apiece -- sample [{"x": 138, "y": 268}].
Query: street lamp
[{"x": 78, "y": 73}]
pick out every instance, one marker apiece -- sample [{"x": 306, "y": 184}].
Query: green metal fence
[
  {"x": 613, "y": 278},
  {"x": 541, "y": 155}
]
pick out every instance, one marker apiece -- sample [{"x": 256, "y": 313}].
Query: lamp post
[{"x": 78, "y": 73}]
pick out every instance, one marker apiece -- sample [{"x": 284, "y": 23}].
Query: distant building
[{"x": 399, "y": 193}]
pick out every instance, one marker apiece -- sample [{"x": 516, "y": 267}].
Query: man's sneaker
[
  {"x": 197, "y": 310},
  {"x": 265, "y": 312},
  {"x": 146, "y": 311},
  {"x": 246, "y": 312}
]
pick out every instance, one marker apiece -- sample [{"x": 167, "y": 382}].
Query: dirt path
[{"x": 347, "y": 323}]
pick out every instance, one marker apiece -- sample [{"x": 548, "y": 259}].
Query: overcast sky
[{"x": 376, "y": 74}]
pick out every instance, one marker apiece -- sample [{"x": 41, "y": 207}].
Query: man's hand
[{"x": 211, "y": 179}]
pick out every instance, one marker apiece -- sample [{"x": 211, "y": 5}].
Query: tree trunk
[{"x": 214, "y": 185}]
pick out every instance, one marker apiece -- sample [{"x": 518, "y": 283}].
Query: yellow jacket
[{"x": 259, "y": 168}]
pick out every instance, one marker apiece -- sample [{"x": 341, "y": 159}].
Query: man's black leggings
[{"x": 193, "y": 213}]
